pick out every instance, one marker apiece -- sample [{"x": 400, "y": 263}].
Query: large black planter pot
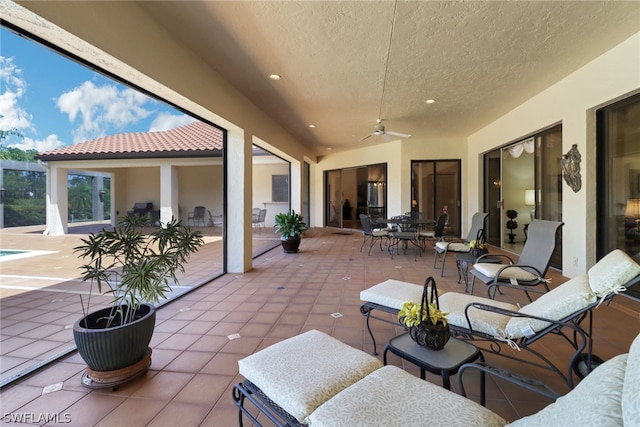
[
  {"x": 291, "y": 245},
  {"x": 110, "y": 349}
]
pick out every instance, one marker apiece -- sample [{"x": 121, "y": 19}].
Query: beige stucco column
[
  {"x": 168, "y": 192},
  {"x": 239, "y": 197},
  {"x": 57, "y": 201}
]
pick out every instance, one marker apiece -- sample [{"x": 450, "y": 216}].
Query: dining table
[{"x": 403, "y": 231}]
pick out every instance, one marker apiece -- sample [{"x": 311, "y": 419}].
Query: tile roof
[{"x": 196, "y": 139}]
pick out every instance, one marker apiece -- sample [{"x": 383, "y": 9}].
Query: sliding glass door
[
  {"x": 353, "y": 191},
  {"x": 523, "y": 181},
  {"x": 435, "y": 186}
]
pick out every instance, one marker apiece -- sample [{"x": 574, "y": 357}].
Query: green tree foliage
[
  {"x": 24, "y": 198},
  {"x": 13, "y": 153},
  {"x": 80, "y": 197}
]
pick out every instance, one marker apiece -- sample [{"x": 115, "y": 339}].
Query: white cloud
[
  {"x": 12, "y": 116},
  {"x": 166, "y": 121},
  {"x": 51, "y": 142},
  {"x": 102, "y": 109}
]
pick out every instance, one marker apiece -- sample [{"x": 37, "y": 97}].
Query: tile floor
[{"x": 194, "y": 363}]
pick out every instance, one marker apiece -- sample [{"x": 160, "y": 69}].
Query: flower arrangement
[
  {"x": 476, "y": 244},
  {"x": 409, "y": 317}
]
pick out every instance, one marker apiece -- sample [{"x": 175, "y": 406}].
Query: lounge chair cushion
[
  {"x": 631, "y": 387},
  {"x": 596, "y": 400},
  {"x": 300, "y": 384},
  {"x": 492, "y": 324},
  {"x": 611, "y": 273},
  {"x": 392, "y": 293},
  {"x": 568, "y": 298},
  {"x": 393, "y": 397},
  {"x": 490, "y": 270},
  {"x": 453, "y": 246}
]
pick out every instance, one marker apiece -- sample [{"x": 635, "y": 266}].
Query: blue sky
[{"x": 53, "y": 101}]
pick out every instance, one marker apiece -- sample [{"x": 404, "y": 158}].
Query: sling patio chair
[
  {"x": 433, "y": 235},
  {"x": 531, "y": 266},
  {"x": 197, "y": 216},
  {"x": 445, "y": 246},
  {"x": 371, "y": 234}
]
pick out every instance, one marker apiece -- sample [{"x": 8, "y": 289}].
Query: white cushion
[
  {"x": 490, "y": 323},
  {"x": 393, "y": 397},
  {"x": 595, "y": 401},
  {"x": 300, "y": 384},
  {"x": 453, "y": 246},
  {"x": 490, "y": 270},
  {"x": 568, "y": 298},
  {"x": 392, "y": 293},
  {"x": 612, "y": 272},
  {"x": 631, "y": 387}
]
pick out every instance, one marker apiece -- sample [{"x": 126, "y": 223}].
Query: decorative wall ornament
[{"x": 571, "y": 168}]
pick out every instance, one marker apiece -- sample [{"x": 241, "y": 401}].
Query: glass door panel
[{"x": 434, "y": 185}]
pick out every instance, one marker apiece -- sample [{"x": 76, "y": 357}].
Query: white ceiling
[{"x": 345, "y": 64}]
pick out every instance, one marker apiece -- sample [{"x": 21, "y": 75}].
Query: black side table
[
  {"x": 445, "y": 362},
  {"x": 462, "y": 264}
]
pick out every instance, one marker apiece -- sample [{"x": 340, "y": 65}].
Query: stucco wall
[{"x": 572, "y": 102}]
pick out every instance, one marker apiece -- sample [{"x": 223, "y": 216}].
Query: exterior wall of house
[{"x": 573, "y": 102}]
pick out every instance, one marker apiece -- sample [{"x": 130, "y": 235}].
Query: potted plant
[
  {"x": 512, "y": 224},
  {"x": 137, "y": 270},
  {"x": 291, "y": 226}
]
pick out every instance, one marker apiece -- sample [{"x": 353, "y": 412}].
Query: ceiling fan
[{"x": 378, "y": 130}]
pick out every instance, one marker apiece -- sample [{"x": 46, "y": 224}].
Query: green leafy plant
[
  {"x": 289, "y": 224},
  {"x": 413, "y": 314},
  {"x": 134, "y": 266}
]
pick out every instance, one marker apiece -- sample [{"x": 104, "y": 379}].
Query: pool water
[{"x": 4, "y": 252}]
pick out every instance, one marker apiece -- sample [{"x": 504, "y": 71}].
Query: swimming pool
[
  {"x": 5, "y": 252},
  {"x": 13, "y": 254}
]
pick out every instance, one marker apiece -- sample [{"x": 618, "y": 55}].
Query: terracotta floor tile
[{"x": 195, "y": 364}]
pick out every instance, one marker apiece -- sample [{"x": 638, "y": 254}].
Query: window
[{"x": 280, "y": 188}]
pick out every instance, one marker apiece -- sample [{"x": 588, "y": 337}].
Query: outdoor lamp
[
  {"x": 101, "y": 195},
  {"x": 530, "y": 200},
  {"x": 633, "y": 209},
  {"x": 1, "y": 195}
]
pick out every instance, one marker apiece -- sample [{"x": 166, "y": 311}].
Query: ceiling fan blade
[
  {"x": 401, "y": 135},
  {"x": 387, "y": 137},
  {"x": 363, "y": 138}
]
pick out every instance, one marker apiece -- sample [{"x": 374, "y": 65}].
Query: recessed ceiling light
[
  {"x": 430, "y": 101},
  {"x": 329, "y": 148},
  {"x": 275, "y": 77},
  {"x": 312, "y": 126}
]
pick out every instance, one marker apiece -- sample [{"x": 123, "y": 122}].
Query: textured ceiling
[{"x": 346, "y": 64}]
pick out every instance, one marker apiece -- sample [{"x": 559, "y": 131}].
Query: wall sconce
[
  {"x": 1, "y": 195},
  {"x": 101, "y": 195}
]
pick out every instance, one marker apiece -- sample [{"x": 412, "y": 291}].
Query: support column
[
  {"x": 239, "y": 197},
  {"x": 168, "y": 192},
  {"x": 57, "y": 201}
]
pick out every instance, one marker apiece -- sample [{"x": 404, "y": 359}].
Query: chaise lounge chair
[
  {"x": 504, "y": 329},
  {"x": 314, "y": 379}
]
